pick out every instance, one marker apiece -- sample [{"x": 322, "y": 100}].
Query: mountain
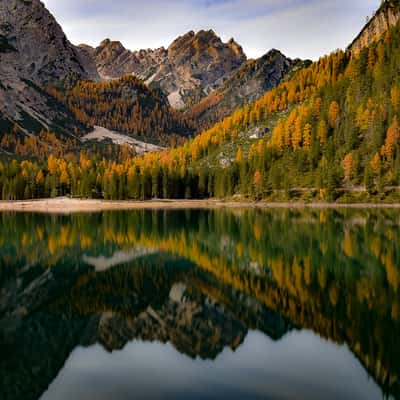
[
  {"x": 329, "y": 132},
  {"x": 385, "y": 17},
  {"x": 192, "y": 66},
  {"x": 35, "y": 52},
  {"x": 247, "y": 85},
  {"x": 113, "y": 60},
  {"x": 197, "y": 72},
  {"x": 42, "y": 79},
  {"x": 48, "y": 84}
]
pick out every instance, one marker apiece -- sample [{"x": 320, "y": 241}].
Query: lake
[{"x": 200, "y": 304}]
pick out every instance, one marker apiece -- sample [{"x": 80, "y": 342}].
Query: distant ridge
[{"x": 192, "y": 66}]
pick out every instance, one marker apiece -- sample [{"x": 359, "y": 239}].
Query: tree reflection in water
[{"x": 199, "y": 280}]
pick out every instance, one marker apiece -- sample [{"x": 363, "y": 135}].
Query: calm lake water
[{"x": 239, "y": 304}]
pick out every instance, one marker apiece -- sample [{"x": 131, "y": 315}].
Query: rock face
[
  {"x": 113, "y": 60},
  {"x": 34, "y": 52},
  {"x": 245, "y": 86},
  {"x": 386, "y": 17},
  {"x": 192, "y": 66},
  {"x": 43, "y": 53}
]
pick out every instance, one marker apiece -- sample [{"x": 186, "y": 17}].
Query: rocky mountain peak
[
  {"x": 105, "y": 42},
  {"x": 207, "y": 35},
  {"x": 384, "y": 18},
  {"x": 43, "y": 54},
  {"x": 192, "y": 66},
  {"x": 110, "y": 45},
  {"x": 183, "y": 38},
  {"x": 35, "y": 53},
  {"x": 108, "y": 50},
  {"x": 146, "y": 52},
  {"x": 273, "y": 53},
  {"x": 207, "y": 43},
  {"x": 236, "y": 48},
  {"x": 113, "y": 60}
]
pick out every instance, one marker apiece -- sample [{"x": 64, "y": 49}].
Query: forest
[
  {"x": 126, "y": 105},
  {"x": 333, "y": 134}
]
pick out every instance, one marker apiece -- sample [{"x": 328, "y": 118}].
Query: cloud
[{"x": 300, "y": 28}]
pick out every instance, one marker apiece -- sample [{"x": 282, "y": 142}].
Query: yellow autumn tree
[
  {"x": 376, "y": 164},
  {"x": 278, "y": 135},
  {"x": 297, "y": 135},
  {"x": 258, "y": 181},
  {"x": 52, "y": 164},
  {"x": 392, "y": 138},
  {"x": 333, "y": 114},
  {"x": 39, "y": 178},
  {"x": 395, "y": 98},
  {"x": 239, "y": 155},
  {"x": 348, "y": 166}
]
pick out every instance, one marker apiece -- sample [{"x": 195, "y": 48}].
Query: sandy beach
[{"x": 67, "y": 205}]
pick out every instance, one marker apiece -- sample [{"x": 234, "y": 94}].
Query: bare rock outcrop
[
  {"x": 386, "y": 17},
  {"x": 43, "y": 53}
]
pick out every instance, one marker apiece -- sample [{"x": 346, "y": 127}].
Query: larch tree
[
  {"x": 333, "y": 114},
  {"x": 392, "y": 138},
  {"x": 348, "y": 166}
]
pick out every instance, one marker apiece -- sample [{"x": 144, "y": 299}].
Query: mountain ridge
[
  {"x": 192, "y": 66},
  {"x": 247, "y": 85}
]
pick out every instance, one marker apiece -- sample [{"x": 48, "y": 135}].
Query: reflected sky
[{"x": 301, "y": 365}]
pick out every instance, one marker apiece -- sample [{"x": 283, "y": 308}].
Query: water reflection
[
  {"x": 300, "y": 366},
  {"x": 222, "y": 295}
]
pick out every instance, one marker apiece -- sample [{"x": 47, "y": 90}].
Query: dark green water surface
[{"x": 240, "y": 304}]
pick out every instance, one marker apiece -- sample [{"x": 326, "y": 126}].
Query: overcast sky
[{"x": 299, "y": 28}]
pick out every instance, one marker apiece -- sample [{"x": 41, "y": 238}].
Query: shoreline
[{"x": 67, "y": 205}]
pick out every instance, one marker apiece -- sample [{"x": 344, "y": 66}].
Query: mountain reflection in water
[{"x": 200, "y": 304}]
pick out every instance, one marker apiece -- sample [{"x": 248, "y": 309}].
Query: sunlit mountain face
[{"x": 243, "y": 303}]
